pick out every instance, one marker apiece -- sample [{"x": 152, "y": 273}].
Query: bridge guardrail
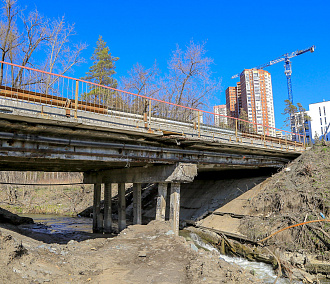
[{"x": 71, "y": 94}]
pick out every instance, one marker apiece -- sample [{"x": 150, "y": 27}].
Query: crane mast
[{"x": 287, "y": 66}]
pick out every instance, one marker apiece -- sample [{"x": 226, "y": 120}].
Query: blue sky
[{"x": 239, "y": 34}]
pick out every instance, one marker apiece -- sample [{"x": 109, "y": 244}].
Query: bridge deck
[{"x": 40, "y": 137}]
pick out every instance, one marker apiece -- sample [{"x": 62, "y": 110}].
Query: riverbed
[
  {"x": 62, "y": 229},
  {"x": 59, "y": 229}
]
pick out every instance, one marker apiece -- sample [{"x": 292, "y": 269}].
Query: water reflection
[{"x": 58, "y": 229}]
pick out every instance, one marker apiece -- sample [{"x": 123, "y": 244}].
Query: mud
[{"x": 140, "y": 254}]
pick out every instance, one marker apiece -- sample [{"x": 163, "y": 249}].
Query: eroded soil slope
[{"x": 300, "y": 192}]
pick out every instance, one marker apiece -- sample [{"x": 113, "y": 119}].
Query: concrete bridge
[{"x": 118, "y": 145}]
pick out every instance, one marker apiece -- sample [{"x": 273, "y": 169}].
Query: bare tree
[
  {"x": 9, "y": 35},
  {"x": 40, "y": 38},
  {"x": 34, "y": 35},
  {"x": 61, "y": 56},
  {"x": 189, "y": 82},
  {"x": 144, "y": 82}
]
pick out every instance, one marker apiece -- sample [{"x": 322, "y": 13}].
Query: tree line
[
  {"x": 33, "y": 40},
  {"x": 188, "y": 81}
]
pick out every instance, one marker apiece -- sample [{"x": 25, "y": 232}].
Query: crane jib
[{"x": 287, "y": 66}]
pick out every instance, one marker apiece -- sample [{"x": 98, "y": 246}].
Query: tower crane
[{"x": 287, "y": 66}]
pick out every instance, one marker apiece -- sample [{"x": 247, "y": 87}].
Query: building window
[
  {"x": 324, "y": 109},
  {"x": 320, "y": 120},
  {"x": 321, "y": 130},
  {"x": 325, "y": 120},
  {"x": 320, "y": 111}
]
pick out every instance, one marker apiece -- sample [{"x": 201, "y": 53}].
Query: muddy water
[{"x": 58, "y": 229}]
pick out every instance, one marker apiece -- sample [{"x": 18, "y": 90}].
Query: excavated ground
[
  {"x": 299, "y": 193},
  {"x": 140, "y": 254}
]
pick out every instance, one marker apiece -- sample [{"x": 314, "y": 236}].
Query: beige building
[
  {"x": 255, "y": 96},
  {"x": 221, "y": 119}
]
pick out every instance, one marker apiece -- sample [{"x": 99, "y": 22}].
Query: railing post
[
  {"x": 149, "y": 114},
  {"x": 145, "y": 114},
  {"x": 76, "y": 100},
  {"x": 199, "y": 121},
  {"x": 236, "y": 126}
]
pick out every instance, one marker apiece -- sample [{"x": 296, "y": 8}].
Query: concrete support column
[
  {"x": 175, "y": 207},
  {"x": 137, "y": 206},
  {"x": 121, "y": 207},
  {"x": 161, "y": 201},
  {"x": 97, "y": 216},
  {"x": 107, "y": 209}
]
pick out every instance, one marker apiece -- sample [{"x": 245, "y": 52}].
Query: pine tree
[
  {"x": 103, "y": 68},
  {"x": 101, "y": 73},
  {"x": 291, "y": 110},
  {"x": 304, "y": 119}
]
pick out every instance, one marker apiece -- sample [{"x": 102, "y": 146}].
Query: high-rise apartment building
[
  {"x": 233, "y": 100},
  {"x": 220, "y": 119},
  {"x": 254, "y": 94}
]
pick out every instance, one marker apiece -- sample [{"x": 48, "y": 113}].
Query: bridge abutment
[{"x": 161, "y": 174}]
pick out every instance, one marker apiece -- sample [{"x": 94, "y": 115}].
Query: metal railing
[{"x": 40, "y": 87}]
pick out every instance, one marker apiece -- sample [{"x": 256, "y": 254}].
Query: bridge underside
[{"x": 43, "y": 147}]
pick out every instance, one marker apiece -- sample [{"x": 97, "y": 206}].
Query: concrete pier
[
  {"x": 173, "y": 174},
  {"x": 175, "y": 207},
  {"x": 137, "y": 205},
  {"x": 97, "y": 208},
  {"x": 107, "y": 208},
  {"x": 121, "y": 207},
  {"x": 161, "y": 201}
]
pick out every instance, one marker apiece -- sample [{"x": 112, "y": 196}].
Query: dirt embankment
[
  {"x": 299, "y": 193},
  {"x": 140, "y": 254}
]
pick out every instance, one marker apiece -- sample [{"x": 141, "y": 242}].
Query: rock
[
  {"x": 142, "y": 253},
  {"x": 170, "y": 232},
  {"x": 193, "y": 247}
]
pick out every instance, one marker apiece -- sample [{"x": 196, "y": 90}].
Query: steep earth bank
[{"x": 299, "y": 193}]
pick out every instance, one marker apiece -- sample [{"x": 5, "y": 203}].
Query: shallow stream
[
  {"x": 58, "y": 229},
  {"x": 261, "y": 270}
]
